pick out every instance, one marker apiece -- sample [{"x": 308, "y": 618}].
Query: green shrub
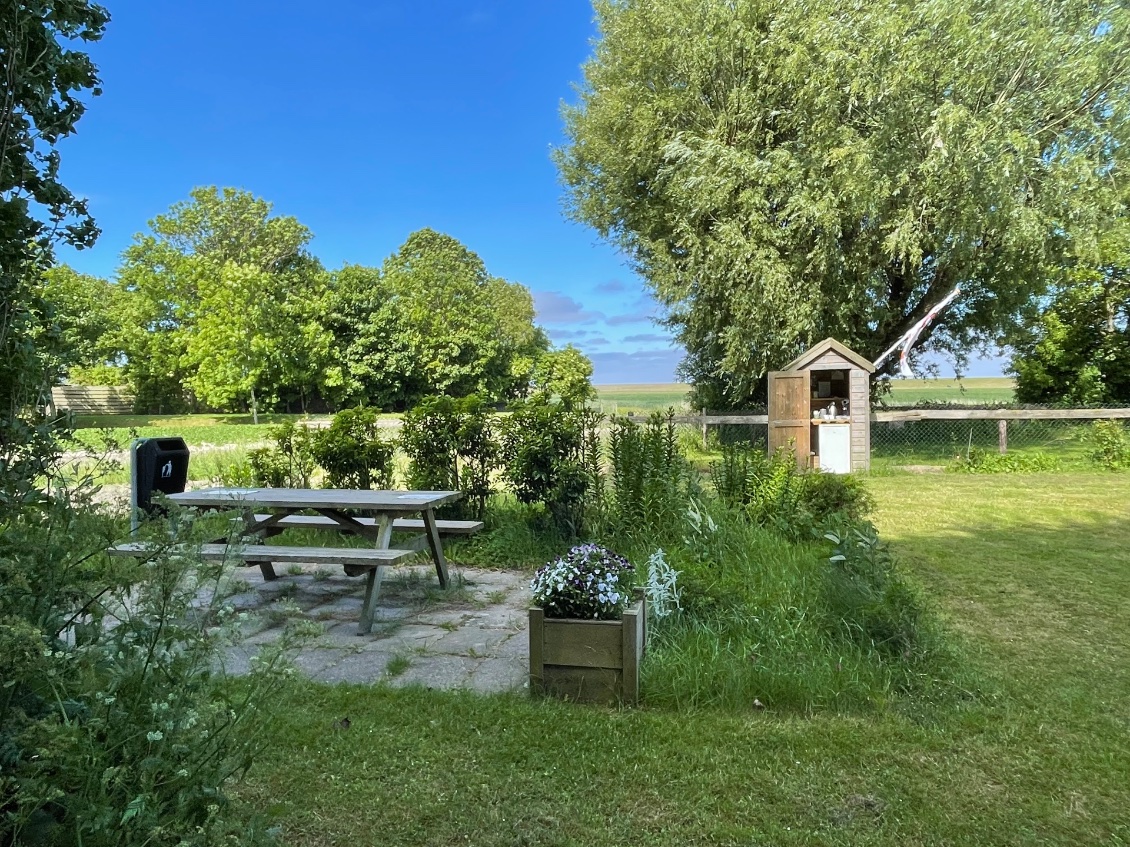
[
  {"x": 772, "y": 492},
  {"x": 986, "y": 461},
  {"x": 550, "y": 456},
  {"x": 289, "y": 463},
  {"x": 451, "y": 446},
  {"x": 115, "y": 728},
  {"x": 1110, "y": 445},
  {"x": 352, "y": 453}
]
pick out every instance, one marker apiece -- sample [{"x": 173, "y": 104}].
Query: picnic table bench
[{"x": 337, "y": 509}]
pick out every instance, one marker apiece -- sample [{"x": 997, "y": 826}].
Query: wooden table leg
[
  {"x": 369, "y": 607},
  {"x": 436, "y": 546}
]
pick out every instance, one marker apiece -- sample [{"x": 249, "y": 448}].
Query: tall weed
[
  {"x": 650, "y": 481},
  {"x": 1110, "y": 445}
]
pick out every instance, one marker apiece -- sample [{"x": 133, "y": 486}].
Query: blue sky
[{"x": 366, "y": 121}]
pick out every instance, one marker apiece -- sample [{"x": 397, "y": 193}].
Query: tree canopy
[
  {"x": 431, "y": 320},
  {"x": 217, "y": 293},
  {"x": 784, "y": 170},
  {"x": 43, "y": 81},
  {"x": 1076, "y": 349},
  {"x": 223, "y": 305}
]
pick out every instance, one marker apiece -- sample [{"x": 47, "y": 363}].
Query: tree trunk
[{"x": 254, "y": 407}]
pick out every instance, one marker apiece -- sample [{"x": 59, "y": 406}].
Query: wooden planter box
[{"x": 588, "y": 661}]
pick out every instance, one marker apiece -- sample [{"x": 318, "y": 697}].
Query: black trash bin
[{"x": 157, "y": 464}]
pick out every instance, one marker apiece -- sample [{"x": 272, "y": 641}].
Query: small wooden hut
[{"x": 820, "y": 406}]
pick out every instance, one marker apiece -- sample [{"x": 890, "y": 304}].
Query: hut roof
[{"x": 829, "y": 345}]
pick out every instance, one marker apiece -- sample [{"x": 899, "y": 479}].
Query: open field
[
  {"x": 642, "y": 398},
  {"x": 1033, "y": 745},
  {"x": 621, "y": 399},
  {"x": 970, "y": 391}
]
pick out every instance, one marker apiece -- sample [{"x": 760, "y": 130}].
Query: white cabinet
[{"x": 835, "y": 447}]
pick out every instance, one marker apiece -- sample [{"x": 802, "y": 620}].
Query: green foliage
[
  {"x": 564, "y": 374},
  {"x": 987, "y": 461},
  {"x": 218, "y": 298},
  {"x": 430, "y": 320},
  {"x": 86, "y": 312},
  {"x": 759, "y": 620},
  {"x": 1110, "y": 445},
  {"x": 289, "y": 463},
  {"x": 114, "y": 727},
  {"x": 867, "y": 598},
  {"x": 650, "y": 480},
  {"x": 550, "y": 456},
  {"x": 451, "y": 446},
  {"x": 880, "y": 153},
  {"x": 772, "y": 492},
  {"x": 43, "y": 83},
  {"x": 352, "y": 451},
  {"x": 1076, "y": 349}
]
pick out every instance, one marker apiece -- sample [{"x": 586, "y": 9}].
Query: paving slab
[{"x": 472, "y": 635}]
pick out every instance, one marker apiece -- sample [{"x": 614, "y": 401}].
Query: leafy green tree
[
  {"x": 784, "y": 170},
  {"x": 1077, "y": 349},
  {"x": 371, "y": 361},
  {"x": 566, "y": 374},
  {"x": 430, "y": 320},
  {"x": 86, "y": 321},
  {"x": 43, "y": 81},
  {"x": 221, "y": 293},
  {"x": 461, "y": 327}
]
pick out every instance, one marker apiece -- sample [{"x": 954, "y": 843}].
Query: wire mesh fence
[
  {"x": 935, "y": 442},
  {"x": 935, "y": 435}
]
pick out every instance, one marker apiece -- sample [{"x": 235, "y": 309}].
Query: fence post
[
  {"x": 704, "y": 430},
  {"x": 1002, "y": 435}
]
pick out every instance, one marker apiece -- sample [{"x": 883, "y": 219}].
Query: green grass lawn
[{"x": 1032, "y": 747}]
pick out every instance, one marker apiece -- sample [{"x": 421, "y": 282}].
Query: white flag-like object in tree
[{"x": 911, "y": 335}]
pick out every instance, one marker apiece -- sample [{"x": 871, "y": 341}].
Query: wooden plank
[
  {"x": 537, "y": 648},
  {"x": 936, "y": 414},
  {"x": 584, "y": 685},
  {"x": 1001, "y": 415},
  {"x": 634, "y": 639},
  {"x": 369, "y": 605},
  {"x": 431, "y": 535},
  {"x": 790, "y": 414},
  {"x": 317, "y": 498},
  {"x": 398, "y": 525},
  {"x": 588, "y": 644},
  {"x": 268, "y": 552}
]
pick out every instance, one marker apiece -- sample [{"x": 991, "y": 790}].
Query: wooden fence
[{"x": 93, "y": 399}]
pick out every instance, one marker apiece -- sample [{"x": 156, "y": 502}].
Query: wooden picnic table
[{"x": 368, "y": 514}]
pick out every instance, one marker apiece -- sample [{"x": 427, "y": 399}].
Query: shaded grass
[{"x": 1030, "y": 570}]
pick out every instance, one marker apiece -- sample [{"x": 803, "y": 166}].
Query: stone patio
[{"x": 471, "y": 635}]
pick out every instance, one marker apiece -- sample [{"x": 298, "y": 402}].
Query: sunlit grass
[{"x": 1029, "y": 573}]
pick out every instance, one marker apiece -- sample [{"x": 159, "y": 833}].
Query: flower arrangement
[{"x": 589, "y": 581}]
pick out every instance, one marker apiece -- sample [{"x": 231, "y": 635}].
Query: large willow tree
[{"x": 784, "y": 170}]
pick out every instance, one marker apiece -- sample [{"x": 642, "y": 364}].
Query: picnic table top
[{"x": 318, "y": 498}]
